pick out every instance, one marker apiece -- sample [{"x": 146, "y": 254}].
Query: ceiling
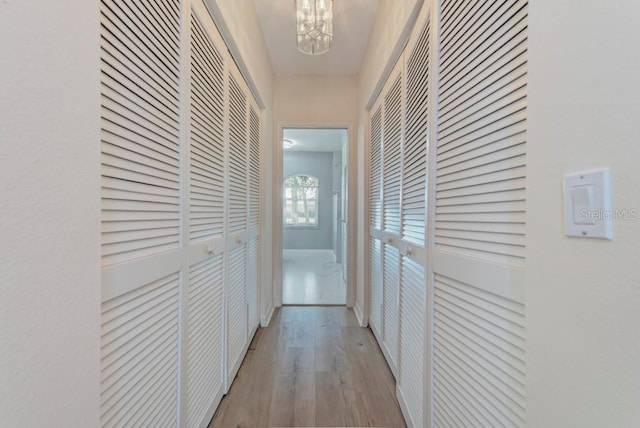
[
  {"x": 352, "y": 22},
  {"x": 315, "y": 140}
]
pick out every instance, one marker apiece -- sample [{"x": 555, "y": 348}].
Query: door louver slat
[
  {"x": 253, "y": 281},
  {"x": 236, "y": 305},
  {"x": 376, "y": 170},
  {"x": 391, "y": 313},
  {"x": 375, "y": 266},
  {"x": 479, "y": 354},
  {"x": 204, "y": 367},
  {"x": 392, "y": 156},
  {"x": 412, "y": 318},
  {"x": 415, "y": 147},
  {"x": 237, "y": 158},
  {"x": 482, "y": 131},
  {"x": 140, "y": 122},
  {"x": 254, "y": 168},
  {"x": 206, "y": 188},
  {"x": 141, "y": 326}
]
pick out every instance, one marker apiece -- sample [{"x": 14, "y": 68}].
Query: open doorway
[{"x": 313, "y": 212}]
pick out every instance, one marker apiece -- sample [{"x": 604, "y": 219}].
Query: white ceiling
[
  {"x": 352, "y": 22},
  {"x": 315, "y": 140}
]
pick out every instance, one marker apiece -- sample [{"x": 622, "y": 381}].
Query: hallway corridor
[{"x": 313, "y": 366}]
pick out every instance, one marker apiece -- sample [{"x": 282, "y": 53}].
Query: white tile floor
[{"x": 312, "y": 277}]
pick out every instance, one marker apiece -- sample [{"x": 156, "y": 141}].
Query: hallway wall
[
  {"x": 50, "y": 213},
  {"x": 314, "y": 100},
  {"x": 583, "y": 295},
  {"x": 317, "y": 101}
]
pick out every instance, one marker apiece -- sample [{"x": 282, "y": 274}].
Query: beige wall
[
  {"x": 241, "y": 30},
  {"x": 315, "y": 99},
  {"x": 583, "y": 295},
  {"x": 50, "y": 214}
]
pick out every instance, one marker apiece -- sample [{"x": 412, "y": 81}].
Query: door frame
[{"x": 351, "y": 163}]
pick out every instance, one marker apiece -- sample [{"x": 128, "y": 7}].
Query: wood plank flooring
[{"x": 312, "y": 367}]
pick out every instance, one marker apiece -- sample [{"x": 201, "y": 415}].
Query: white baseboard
[
  {"x": 264, "y": 321},
  {"x": 360, "y": 315}
]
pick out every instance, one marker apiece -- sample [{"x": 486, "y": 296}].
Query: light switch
[
  {"x": 587, "y": 204},
  {"x": 582, "y": 200}
]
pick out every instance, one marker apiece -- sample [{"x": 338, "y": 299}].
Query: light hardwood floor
[{"x": 313, "y": 366}]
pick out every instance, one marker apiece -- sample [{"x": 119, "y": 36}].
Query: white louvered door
[
  {"x": 411, "y": 379},
  {"x": 253, "y": 247},
  {"x": 207, "y": 171},
  {"x": 141, "y": 213},
  {"x": 375, "y": 221},
  {"x": 237, "y": 215},
  {"x": 180, "y": 218},
  {"x": 391, "y": 191},
  {"x": 480, "y": 202}
]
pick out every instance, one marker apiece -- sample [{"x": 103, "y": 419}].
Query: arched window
[{"x": 300, "y": 200}]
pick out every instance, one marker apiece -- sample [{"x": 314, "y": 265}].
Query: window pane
[{"x": 300, "y": 200}]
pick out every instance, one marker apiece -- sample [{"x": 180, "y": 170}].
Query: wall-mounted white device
[{"x": 587, "y": 204}]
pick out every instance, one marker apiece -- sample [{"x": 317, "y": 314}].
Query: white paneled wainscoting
[
  {"x": 181, "y": 146},
  {"x": 447, "y": 198}
]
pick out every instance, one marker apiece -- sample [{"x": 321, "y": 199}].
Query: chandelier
[{"x": 314, "y": 19}]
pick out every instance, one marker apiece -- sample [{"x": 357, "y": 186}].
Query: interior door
[{"x": 479, "y": 348}]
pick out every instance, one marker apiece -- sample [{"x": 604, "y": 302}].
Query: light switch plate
[{"x": 587, "y": 204}]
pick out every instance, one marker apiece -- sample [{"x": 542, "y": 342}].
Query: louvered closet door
[
  {"x": 237, "y": 325},
  {"x": 479, "y": 347},
  {"x": 375, "y": 220},
  {"x": 411, "y": 381},
  {"x": 391, "y": 190},
  {"x": 238, "y": 146},
  {"x": 205, "y": 337},
  {"x": 237, "y": 313},
  {"x": 207, "y": 160},
  {"x": 139, "y": 376},
  {"x": 141, "y": 214},
  {"x": 205, "y": 304},
  {"x": 253, "y": 246}
]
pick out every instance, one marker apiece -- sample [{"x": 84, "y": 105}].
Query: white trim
[
  {"x": 265, "y": 321},
  {"x": 362, "y": 319}
]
